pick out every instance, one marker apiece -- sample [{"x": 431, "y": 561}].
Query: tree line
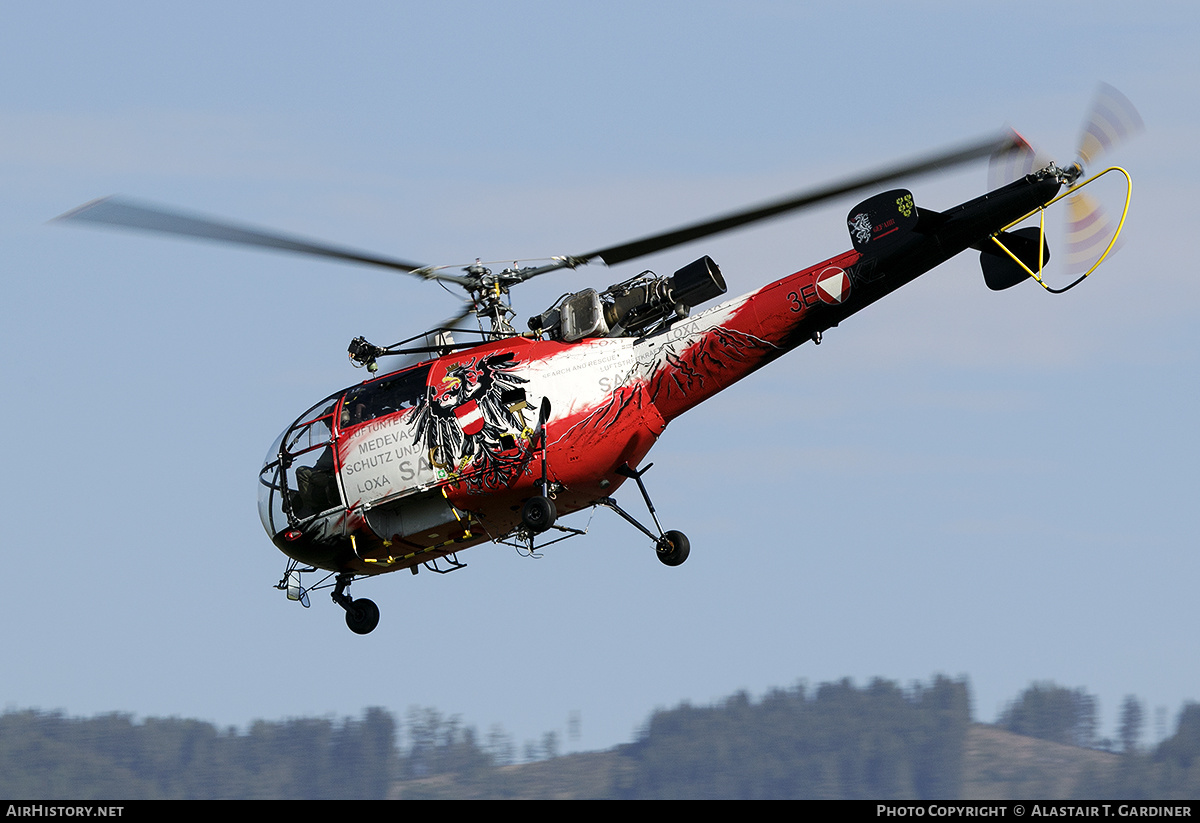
[{"x": 832, "y": 741}]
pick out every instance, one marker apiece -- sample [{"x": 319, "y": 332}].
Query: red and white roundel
[
  {"x": 833, "y": 286},
  {"x": 470, "y": 417}
]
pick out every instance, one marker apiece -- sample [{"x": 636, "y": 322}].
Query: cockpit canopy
[
  {"x": 299, "y": 478},
  {"x": 390, "y": 394}
]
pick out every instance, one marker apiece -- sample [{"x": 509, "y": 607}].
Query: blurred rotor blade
[
  {"x": 127, "y": 214},
  {"x": 1006, "y": 166},
  {"x": 1112, "y": 120},
  {"x": 436, "y": 337},
  {"x": 1089, "y": 232},
  {"x": 467, "y": 310},
  {"x": 657, "y": 242}
]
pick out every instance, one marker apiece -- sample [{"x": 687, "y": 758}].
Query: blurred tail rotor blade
[
  {"x": 1113, "y": 119},
  {"x": 1089, "y": 231}
]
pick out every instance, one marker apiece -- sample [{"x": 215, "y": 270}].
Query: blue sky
[{"x": 997, "y": 486}]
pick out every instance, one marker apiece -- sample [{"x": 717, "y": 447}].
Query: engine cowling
[{"x": 631, "y": 307}]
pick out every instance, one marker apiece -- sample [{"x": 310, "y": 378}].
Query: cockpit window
[
  {"x": 389, "y": 395},
  {"x": 297, "y": 480}
]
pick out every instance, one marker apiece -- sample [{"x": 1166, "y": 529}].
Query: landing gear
[
  {"x": 672, "y": 547},
  {"x": 362, "y": 615},
  {"x": 538, "y": 513}
]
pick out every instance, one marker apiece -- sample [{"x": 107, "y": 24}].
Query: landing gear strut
[
  {"x": 362, "y": 615},
  {"x": 539, "y": 511},
  {"x": 671, "y": 547}
]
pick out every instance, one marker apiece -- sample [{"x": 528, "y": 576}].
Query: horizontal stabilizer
[{"x": 1000, "y": 271}]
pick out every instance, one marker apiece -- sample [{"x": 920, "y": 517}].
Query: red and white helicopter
[{"x": 498, "y": 438}]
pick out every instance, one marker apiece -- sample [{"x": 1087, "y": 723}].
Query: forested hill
[{"x": 832, "y": 741}]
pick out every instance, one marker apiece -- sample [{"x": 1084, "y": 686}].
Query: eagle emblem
[{"x": 472, "y": 422}]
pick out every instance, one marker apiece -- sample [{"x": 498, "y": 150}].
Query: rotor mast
[{"x": 490, "y": 291}]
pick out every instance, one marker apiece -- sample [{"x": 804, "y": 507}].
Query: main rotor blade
[
  {"x": 115, "y": 211},
  {"x": 466, "y": 311},
  {"x": 657, "y": 242}
]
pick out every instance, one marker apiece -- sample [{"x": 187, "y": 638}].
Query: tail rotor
[
  {"x": 1112, "y": 121},
  {"x": 1090, "y": 233}
]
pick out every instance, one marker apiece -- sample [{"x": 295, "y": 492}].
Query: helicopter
[{"x": 498, "y": 437}]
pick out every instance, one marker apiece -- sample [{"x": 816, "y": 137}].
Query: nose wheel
[{"x": 362, "y": 615}]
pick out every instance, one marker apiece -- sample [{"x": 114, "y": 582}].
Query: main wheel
[
  {"x": 363, "y": 616},
  {"x": 539, "y": 513},
  {"x": 673, "y": 548}
]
